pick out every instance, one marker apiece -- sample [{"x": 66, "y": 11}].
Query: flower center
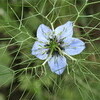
[{"x": 54, "y": 46}]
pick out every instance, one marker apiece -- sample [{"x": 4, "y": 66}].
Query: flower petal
[
  {"x": 57, "y": 64},
  {"x": 64, "y": 31},
  {"x": 75, "y": 47},
  {"x": 39, "y": 51},
  {"x": 43, "y": 33}
]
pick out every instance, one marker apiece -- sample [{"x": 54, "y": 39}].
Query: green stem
[
  {"x": 47, "y": 57},
  {"x": 72, "y": 58},
  {"x": 66, "y": 54}
]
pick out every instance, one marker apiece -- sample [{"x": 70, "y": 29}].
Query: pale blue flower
[{"x": 53, "y": 44}]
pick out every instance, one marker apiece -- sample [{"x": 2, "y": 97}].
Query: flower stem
[
  {"x": 47, "y": 58},
  {"x": 52, "y": 26},
  {"x": 45, "y": 61},
  {"x": 69, "y": 56}
]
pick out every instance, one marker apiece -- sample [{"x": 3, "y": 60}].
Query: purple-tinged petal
[
  {"x": 57, "y": 64},
  {"x": 76, "y": 46},
  {"x": 44, "y": 33},
  {"x": 39, "y": 50},
  {"x": 64, "y": 31}
]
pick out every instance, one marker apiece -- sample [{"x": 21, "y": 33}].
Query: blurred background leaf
[{"x": 6, "y": 75}]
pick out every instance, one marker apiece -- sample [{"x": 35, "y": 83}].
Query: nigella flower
[{"x": 53, "y": 45}]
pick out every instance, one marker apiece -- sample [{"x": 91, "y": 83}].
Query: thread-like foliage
[{"x": 22, "y": 75}]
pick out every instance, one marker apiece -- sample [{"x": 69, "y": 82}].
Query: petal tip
[
  {"x": 70, "y": 22},
  {"x": 60, "y": 71}
]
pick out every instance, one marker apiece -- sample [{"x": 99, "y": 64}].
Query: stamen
[{"x": 53, "y": 47}]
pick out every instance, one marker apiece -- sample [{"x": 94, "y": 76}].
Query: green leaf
[
  {"x": 6, "y": 75},
  {"x": 2, "y": 97},
  {"x": 5, "y": 58}
]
